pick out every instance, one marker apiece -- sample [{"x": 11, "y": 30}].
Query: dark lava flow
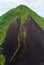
[
  {"x": 31, "y": 51},
  {"x": 11, "y": 42}
]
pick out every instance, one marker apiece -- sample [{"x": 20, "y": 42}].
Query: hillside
[
  {"x": 24, "y": 42},
  {"x": 22, "y": 11}
]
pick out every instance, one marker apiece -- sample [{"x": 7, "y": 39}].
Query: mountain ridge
[{"x": 22, "y": 11}]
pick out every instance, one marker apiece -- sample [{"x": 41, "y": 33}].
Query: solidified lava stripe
[
  {"x": 11, "y": 41},
  {"x": 31, "y": 51}
]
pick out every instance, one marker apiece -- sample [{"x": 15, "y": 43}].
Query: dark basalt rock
[{"x": 31, "y": 51}]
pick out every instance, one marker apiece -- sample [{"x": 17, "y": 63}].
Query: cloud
[
  {"x": 16, "y": 1},
  {"x": 38, "y": 7}
]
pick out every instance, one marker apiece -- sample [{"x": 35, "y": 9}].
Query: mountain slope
[
  {"x": 24, "y": 41},
  {"x": 22, "y": 11}
]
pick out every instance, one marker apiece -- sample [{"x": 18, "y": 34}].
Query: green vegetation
[
  {"x": 2, "y": 60},
  {"x": 8, "y": 17}
]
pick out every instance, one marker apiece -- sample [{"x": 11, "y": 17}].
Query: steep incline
[
  {"x": 30, "y": 37},
  {"x": 11, "y": 15}
]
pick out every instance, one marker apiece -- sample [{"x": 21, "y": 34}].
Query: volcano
[
  {"x": 24, "y": 43},
  {"x": 22, "y": 11}
]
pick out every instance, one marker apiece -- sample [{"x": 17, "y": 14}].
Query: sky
[{"x": 35, "y": 5}]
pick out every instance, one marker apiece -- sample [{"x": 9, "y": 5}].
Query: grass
[{"x": 2, "y": 60}]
